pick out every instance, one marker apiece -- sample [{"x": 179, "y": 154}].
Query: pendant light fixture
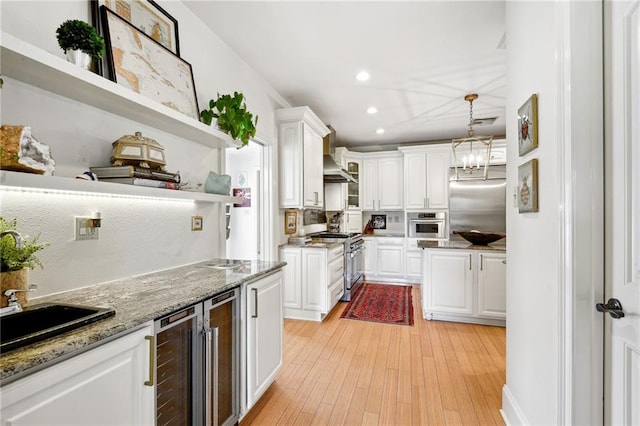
[{"x": 471, "y": 154}]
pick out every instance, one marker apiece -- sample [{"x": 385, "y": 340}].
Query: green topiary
[
  {"x": 13, "y": 258},
  {"x": 78, "y": 35},
  {"x": 232, "y": 116}
]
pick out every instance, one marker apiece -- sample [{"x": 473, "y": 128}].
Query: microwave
[{"x": 430, "y": 226}]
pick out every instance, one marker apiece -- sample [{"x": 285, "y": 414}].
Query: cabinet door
[
  {"x": 415, "y": 181},
  {"x": 312, "y": 166},
  {"x": 437, "y": 180},
  {"x": 264, "y": 334},
  {"x": 369, "y": 184},
  {"x": 413, "y": 265},
  {"x": 448, "y": 279},
  {"x": 353, "y": 189},
  {"x": 353, "y": 221},
  {"x": 370, "y": 257},
  {"x": 314, "y": 279},
  {"x": 492, "y": 268},
  {"x": 334, "y": 198},
  {"x": 292, "y": 277},
  {"x": 290, "y": 150},
  {"x": 390, "y": 260},
  {"x": 105, "y": 385},
  {"x": 390, "y": 184}
]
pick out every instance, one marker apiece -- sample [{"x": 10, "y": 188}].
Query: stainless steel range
[{"x": 353, "y": 255}]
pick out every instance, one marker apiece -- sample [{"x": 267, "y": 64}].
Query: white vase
[{"x": 79, "y": 58}]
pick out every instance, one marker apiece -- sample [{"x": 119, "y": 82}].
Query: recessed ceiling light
[
  {"x": 380, "y": 131},
  {"x": 363, "y": 76},
  {"x": 372, "y": 110}
]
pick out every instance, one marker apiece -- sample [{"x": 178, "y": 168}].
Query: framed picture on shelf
[
  {"x": 528, "y": 125},
  {"x": 528, "y": 187},
  {"x": 290, "y": 221},
  {"x": 139, "y": 63},
  {"x": 147, "y": 16}
]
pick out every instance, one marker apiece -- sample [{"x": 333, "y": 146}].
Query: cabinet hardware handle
[
  {"x": 424, "y": 202},
  {"x": 152, "y": 359},
  {"x": 481, "y": 262},
  {"x": 428, "y": 202},
  {"x": 208, "y": 349},
  {"x": 216, "y": 377},
  {"x": 255, "y": 302},
  {"x": 469, "y": 261},
  {"x": 504, "y": 261}
]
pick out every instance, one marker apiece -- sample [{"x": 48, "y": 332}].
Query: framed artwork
[
  {"x": 528, "y": 125},
  {"x": 290, "y": 221},
  {"x": 245, "y": 194},
  {"x": 137, "y": 62},
  {"x": 379, "y": 221},
  {"x": 148, "y": 17},
  {"x": 528, "y": 187},
  {"x": 196, "y": 223}
]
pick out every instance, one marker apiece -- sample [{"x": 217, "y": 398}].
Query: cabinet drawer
[
  {"x": 335, "y": 253},
  {"x": 336, "y": 270},
  {"x": 336, "y": 291},
  {"x": 390, "y": 241}
]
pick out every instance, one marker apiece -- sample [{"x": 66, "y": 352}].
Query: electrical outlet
[{"x": 83, "y": 231}]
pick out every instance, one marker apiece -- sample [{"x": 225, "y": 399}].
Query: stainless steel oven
[{"x": 429, "y": 226}]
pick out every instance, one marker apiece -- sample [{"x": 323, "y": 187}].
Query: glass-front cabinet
[{"x": 353, "y": 189}]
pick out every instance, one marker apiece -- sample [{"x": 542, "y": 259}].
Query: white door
[
  {"x": 415, "y": 181},
  {"x": 369, "y": 184},
  {"x": 390, "y": 184},
  {"x": 622, "y": 211}
]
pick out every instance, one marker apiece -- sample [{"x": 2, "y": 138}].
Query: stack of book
[{"x": 136, "y": 175}]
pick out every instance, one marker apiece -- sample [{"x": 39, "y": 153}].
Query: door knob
[{"x": 613, "y": 306}]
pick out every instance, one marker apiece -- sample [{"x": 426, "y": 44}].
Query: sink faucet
[
  {"x": 14, "y": 306},
  {"x": 16, "y": 236}
]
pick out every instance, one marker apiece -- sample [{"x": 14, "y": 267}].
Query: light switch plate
[{"x": 83, "y": 232}]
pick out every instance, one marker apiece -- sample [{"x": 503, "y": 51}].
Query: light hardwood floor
[{"x": 354, "y": 372}]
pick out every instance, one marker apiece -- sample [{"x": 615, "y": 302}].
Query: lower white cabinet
[
  {"x": 464, "y": 285},
  {"x": 384, "y": 258},
  {"x": 313, "y": 281},
  {"x": 413, "y": 260},
  {"x": 108, "y": 385},
  {"x": 264, "y": 333}
]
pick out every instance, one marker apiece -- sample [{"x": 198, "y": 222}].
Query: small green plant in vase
[
  {"x": 232, "y": 116},
  {"x": 80, "y": 41},
  {"x": 16, "y": 259}
]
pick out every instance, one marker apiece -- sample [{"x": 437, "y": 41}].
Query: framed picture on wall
[
  {"x": 528, "y": 187},
  {"x": 528, "y": 125},
  {"x": 147, "y": 16},
  {"x": 290, "y": 221},
  {"x": 139, "y": 63}
]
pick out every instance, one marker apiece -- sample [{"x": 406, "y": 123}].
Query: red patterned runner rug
[{"x": 389, "y": 304}]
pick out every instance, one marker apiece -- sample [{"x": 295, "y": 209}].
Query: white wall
[
  {"x": 554, "y": 50},
  {"x": 137, "y": 236}
]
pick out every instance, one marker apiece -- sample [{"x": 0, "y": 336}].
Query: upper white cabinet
[
  {"x": 426, "y": 177},
  {"x": 300, "y": 134},
  {"x": 382, "y": 182},
  {"x": 111, "y": 384}
]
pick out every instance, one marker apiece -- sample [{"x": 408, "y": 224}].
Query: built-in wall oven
[
  {"x": 197, "y": 363},
  {"x": 428, "y": 226}
]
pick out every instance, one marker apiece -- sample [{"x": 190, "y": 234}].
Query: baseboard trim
[{"x": 510, "y": 411}]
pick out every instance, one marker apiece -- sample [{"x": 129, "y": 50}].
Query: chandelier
[{"x": 471, "y": 154}]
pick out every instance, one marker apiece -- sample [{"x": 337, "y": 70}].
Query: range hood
[{"x": 333, "y": 173}]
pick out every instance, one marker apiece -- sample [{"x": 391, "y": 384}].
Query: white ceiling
[{"x": 423, "y": 57}]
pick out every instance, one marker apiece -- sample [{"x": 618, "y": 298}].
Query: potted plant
[
  {"x": 15, "y": 261},
  {"x": 80, "y": 41},
  {"x": 232, "y": 116}
]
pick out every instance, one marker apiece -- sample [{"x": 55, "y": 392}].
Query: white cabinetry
[
  {"x": 105, "y": 385},
  {"x": 382, "y": 182},
  {"x": 426, "y": 177},
  {"x": 352, "y": 221},
  {"x": 413, "y": 260},
  {"x": 384, "y": 258},
  {"x": 301, "y": 179},
  {"x": 464, "y": 285},
  {"x": 314, "y": 281},
  {"x": 264, "y": 328}
]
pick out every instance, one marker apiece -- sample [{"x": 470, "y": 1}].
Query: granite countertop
[
  {"x": 390, "y": 234},
  {"x": 136, "y": 301},
  {"x": 461, "y": 245}
]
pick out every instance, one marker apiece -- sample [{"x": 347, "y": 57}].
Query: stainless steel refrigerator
[{"x": 477, "y": 204}]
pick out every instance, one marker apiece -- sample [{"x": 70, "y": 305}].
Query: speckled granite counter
[
  {"x": 136, "y": 301},
  {"x": 460, "y": 245}
]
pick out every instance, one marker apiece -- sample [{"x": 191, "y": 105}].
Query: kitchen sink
[{"x": 39, "y": 322}]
